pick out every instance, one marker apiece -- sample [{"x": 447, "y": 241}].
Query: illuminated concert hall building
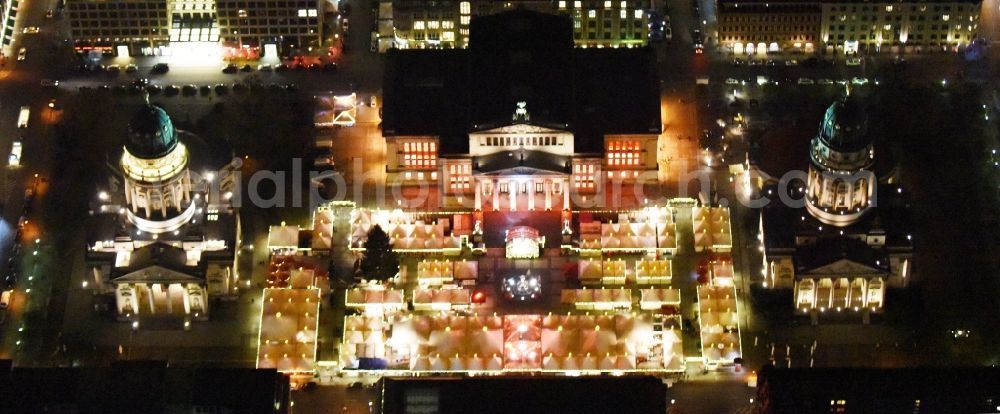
[
  {"x": 520, "y": 121},
  {"x": 163, "y": 233}
]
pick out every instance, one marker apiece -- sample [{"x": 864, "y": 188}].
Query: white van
[
  {"x": 14, "y": 159},
  {"x": 22, "y": 117}
]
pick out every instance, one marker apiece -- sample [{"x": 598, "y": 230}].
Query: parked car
[
  {"x": 22, "y": 53},
  {"x": 160, "y": 68},
  {"x": 230, "y": 69},
  {"x": 189, "y": 89},
  {"x": 806, "y": 81},
  {"x": 264, "y": 68},
  {"x": 853, "y": 61},
  {"x": 131, "y": 68}
]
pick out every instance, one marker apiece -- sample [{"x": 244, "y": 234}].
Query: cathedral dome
[
  {"x": 151, "y": 134},
  {"x": 845, "y": 126}
]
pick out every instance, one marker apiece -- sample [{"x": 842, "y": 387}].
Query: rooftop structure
[
  {"x": 889, "y": 391},
  {"x": 143, "y": 387},
  {"x": 528, "y": 395}
]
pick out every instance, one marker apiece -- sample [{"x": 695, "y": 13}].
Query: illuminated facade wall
[
  {"x": 755, "y": 28},
  {"x": 147, "y": 25},
  {"x": 445, "y": 24},
  {"x": 607, "y": 23},
  {"x": 586, "y": 175},
  {"x": 142, "y": 23},
  {"x": 851, "y": 27},
  {"x": 7, "y": 21},
  {"x": 924, "y": 25},
  {"x": 289, "y": 24}
]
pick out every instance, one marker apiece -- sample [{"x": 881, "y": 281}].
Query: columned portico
[{"x": 539, "y": 189}]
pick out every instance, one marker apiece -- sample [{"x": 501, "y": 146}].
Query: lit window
[
  {"x": 945, "y": 17},
  {"x": 638, "y": 14},
  {"x": 418, "y": 25},
  {"x": 888, "y": 8},
  {"x": 562, "y": 4},
  {"x": 577, "y": 4},
  {"x": 464, "y": 21},
  {"x": 433, "y": 24},
  {"x": 465, "y": 7},
  {"x": 607, "y": 4},
  {"x": 420, "y": 155},
  {"x": 592, "y": 14},
  {"x": 447, "y": 24},
  {"x": 448, "y": 36},
  {"x": 623, "y": 14},
  {"x": 313, "y": 13},
  {"x": 241, "y": 13},
  {"x": 303, "y": 12}
]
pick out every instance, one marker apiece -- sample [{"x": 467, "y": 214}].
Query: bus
[{"x": 22, "y": 117}]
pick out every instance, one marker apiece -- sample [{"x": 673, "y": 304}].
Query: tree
[{"x": 379, "y": 262}]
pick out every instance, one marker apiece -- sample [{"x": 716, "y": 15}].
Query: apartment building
[
  {"x": 164, "y": 27},
  {"x": 851, "y": 27},
  {"x": 419, "y": 24},
  {"x": 758, "y": 27}
]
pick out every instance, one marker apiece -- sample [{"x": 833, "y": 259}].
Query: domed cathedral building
[
  {"x": 846, "y": 236},
  {"x": 841, "y": 181},
  {"x": 164, "y": 235}
]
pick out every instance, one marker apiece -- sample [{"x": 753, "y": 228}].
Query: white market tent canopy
[
  {"x": 449, "y": 343},
  {"x": 720, "y": 333},
  {"x": 712, "y": 229},
  {"x": 288, "y": 325},
  {"x": 407, "y": 233}
]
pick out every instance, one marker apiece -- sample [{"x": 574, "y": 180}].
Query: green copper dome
[
  {"x": 150, "y": 133},
  {"x": 845, "y": 126}
]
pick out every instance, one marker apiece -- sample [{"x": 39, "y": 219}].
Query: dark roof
[
  {"x": 521, "y": 158},
  {"x": 770, "y": 6},
  {"x": 159, "y": 254},
  {"x": 882, "y": 391},
  {"x": 143, "y": 387},
  {"x": 829, "y": 250},
  {"x": 526, "y": 395},
  {"x": 891, "y": 217},
  {"x": 151, "y": 134},
  {"x": 426, "y": 93},
  {"x": 521, "y": 56}
]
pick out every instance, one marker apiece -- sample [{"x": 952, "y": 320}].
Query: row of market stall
[
  {"x": 619, "y": 272},
  {"x": 650, "y": 230},
  {"x": 712, "y": 229},
  {"x": 719, "y": 321},
  {"x": 615, "y": 342},
  {"x": 376, "y": 299},
  {"x": 413, "y": 232},
  {"x": 622, "y": 299}
]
